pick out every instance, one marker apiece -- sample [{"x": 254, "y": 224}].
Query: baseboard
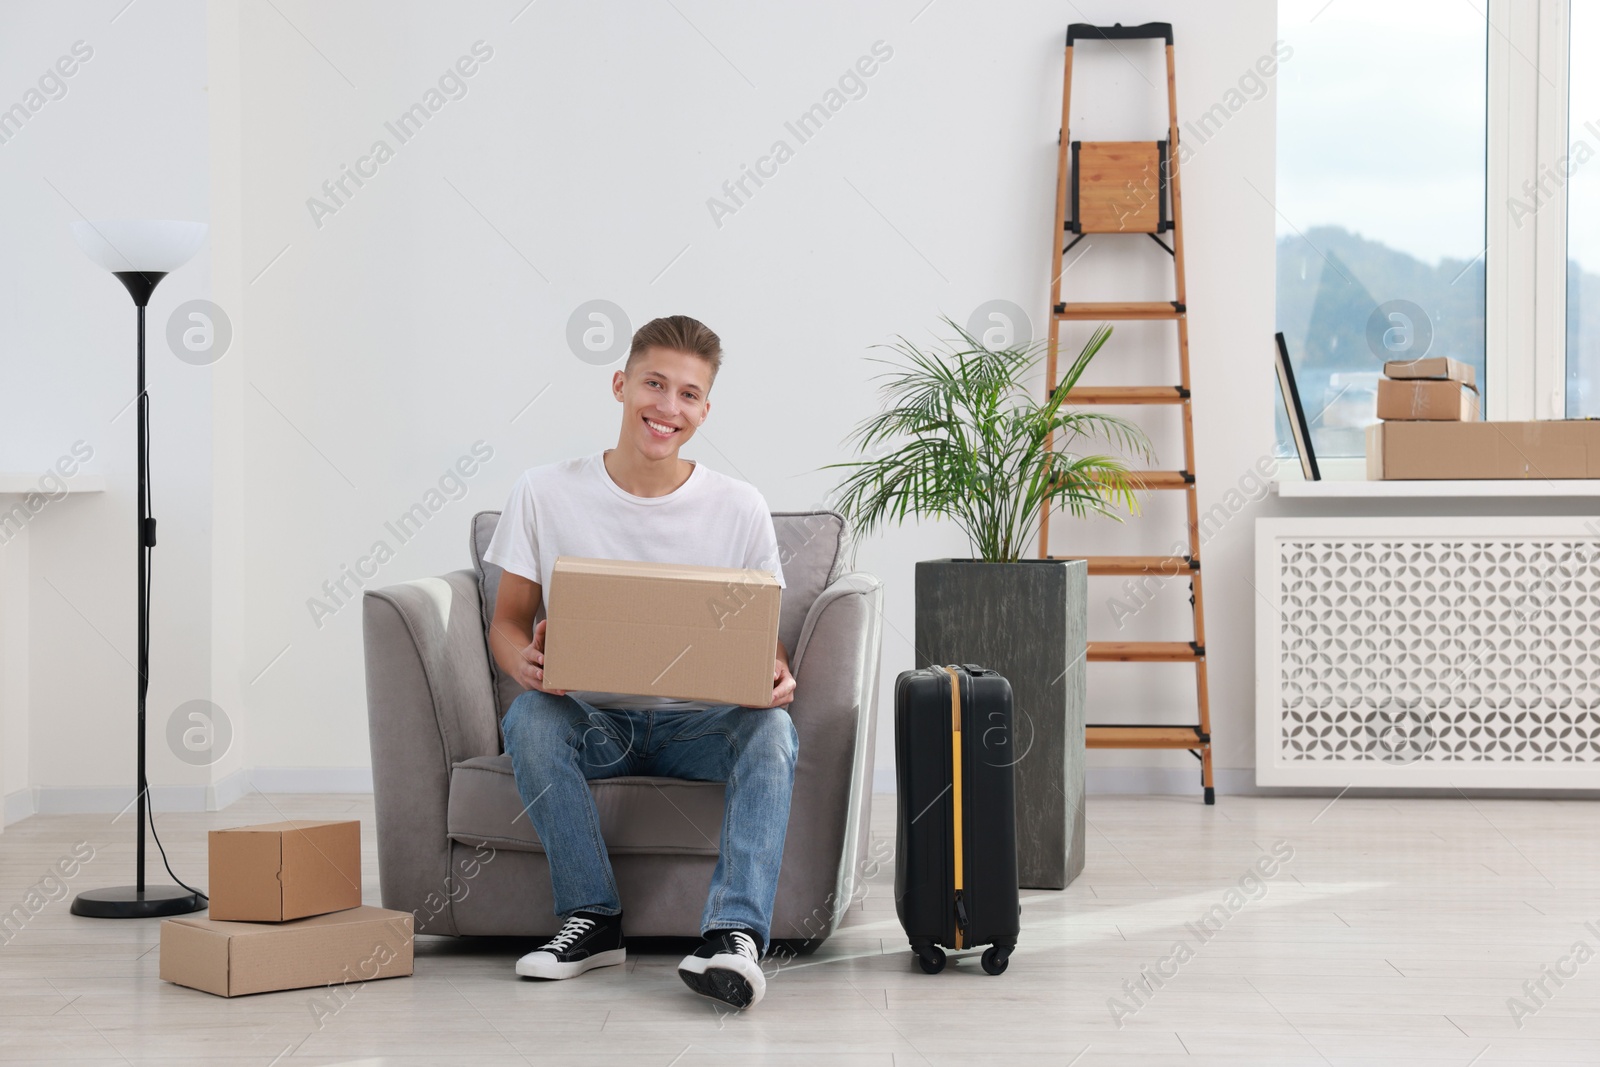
[
  {"x": 1160, "y": 781},
  {"x": 18, "y": 806},
  {"x": 311, "y": 780},
  {"x": 1102, "y": 781},
  {"x": 1167, "y": 781},
  {"x": 99, "y": 800},
  {"x": 1241, "y": 782},
  {"x": 229, "y": 788},
  {"x": 81, "y": 800}
]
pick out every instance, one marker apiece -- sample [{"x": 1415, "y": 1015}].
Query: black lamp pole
[{"x": 139, "y": 901}]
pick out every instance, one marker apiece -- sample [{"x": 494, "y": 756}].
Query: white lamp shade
[{"x": 150, "y": 245}]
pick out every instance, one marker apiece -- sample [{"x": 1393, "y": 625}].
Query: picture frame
[{"x": 1296, "y": 411}]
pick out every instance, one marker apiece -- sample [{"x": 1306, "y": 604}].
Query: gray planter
[{"x": 1029, "y": 621}]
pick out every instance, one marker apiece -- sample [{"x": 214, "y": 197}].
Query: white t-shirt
[{"x": 574, "y": 508}]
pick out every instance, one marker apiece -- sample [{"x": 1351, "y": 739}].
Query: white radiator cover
[{"x": 1428, "y": 652}]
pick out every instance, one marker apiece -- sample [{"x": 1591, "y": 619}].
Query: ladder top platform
[{"x": 1150, "y": 30}]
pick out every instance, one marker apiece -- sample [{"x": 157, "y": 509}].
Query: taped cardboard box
[
  {"x": 1471, "y": 450},
  {"x": 285, "y": 870},
  {"x": 1433, "y": 400},
  {"x": 662, "y": 629},
  {"x": 231, "y": 959},
  {"x": 1441, "y": 368}
]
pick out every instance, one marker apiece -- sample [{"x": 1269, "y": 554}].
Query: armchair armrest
[
  {"x": 430, "y": 704},
  {"x": 835, "y": 664}
]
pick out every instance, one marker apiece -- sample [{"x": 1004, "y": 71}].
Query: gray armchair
[{"x": 454, "y": 847}]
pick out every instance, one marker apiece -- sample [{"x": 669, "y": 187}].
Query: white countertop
[
  {"x": 14, "y": 484},
  {"x": 1528, "y": 487}
]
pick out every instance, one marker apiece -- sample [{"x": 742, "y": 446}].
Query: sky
[
  {"x": 1395, "y": 153},
  {"x": 1583, "y": 190}
]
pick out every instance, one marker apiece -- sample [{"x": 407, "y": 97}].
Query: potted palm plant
[{"x": 962, "y": 437}]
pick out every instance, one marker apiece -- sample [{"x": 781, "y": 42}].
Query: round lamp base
[{"x": 130, "y": 902}]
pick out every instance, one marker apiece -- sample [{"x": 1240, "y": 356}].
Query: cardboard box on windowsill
[
  {"x": 1443, "y": 401},
  {"x": 284, "y": 870},
  {"x": 231, "y": 959},
  {"x": 1547, "y": 449},
  {"x": 1435, "y": 368},
  {"x": 662, "y": 629}
]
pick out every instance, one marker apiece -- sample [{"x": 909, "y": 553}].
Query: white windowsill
[
  {"x": 22, "y": 484},
  {"x": 1531, "y": 487}
]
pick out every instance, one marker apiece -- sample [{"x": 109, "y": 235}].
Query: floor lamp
[{"x": 140, "y": 252}]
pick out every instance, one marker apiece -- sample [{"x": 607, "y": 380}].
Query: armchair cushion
[{"x": 637, "y": 814}]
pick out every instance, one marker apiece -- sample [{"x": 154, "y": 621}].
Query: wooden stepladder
[{"x": 1132, "y": 188}]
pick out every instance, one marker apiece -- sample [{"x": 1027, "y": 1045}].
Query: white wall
[
  {"x": 127, "y": 138},
  {"x": 424, "y": 315}
]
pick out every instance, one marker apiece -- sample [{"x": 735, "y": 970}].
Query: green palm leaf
[{"x": 961, "y": 437}]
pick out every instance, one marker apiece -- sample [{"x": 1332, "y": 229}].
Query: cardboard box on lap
[{"x": 662, "y": 629}]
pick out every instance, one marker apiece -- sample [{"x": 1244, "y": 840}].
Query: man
[{"x": 639, "y": 501}]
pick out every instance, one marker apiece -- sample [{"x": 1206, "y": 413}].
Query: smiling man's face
[{"x": 665, "y": 398}]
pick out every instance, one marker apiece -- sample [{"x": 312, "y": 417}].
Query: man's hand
[
  {"x": 782, "y": 682},
  {"x": 530, "y": 671}
]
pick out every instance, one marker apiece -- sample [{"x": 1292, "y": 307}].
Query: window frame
[{"x": 1525, "y": 310}]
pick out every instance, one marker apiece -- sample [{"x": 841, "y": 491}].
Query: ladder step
[
  {"x": 1144, "y": 652},
  {"x": 1124, "y": 310},
  {"x": 1143, "y": 737},
  {"x": 1128, "y": 394},
  {"x": 1140, "y": 480},
  {"x": 1171, "y": 566},
  {"x": 1161, "y": 479}
]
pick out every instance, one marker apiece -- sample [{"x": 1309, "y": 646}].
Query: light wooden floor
[{"x": 1397, "y": 933}]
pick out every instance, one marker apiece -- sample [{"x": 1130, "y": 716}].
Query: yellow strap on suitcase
[{"x": 955, "y": 780}]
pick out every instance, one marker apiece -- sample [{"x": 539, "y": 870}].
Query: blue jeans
[{"x": 559, "y": 743}]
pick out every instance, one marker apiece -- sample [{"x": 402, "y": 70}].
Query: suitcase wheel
[
  {"x": 930, "y": 958},
  {"x": 995, "y": 958}
]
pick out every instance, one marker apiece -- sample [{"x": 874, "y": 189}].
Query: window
[
  {"x": 1380, "y": 200},
  {"x": 1582, "y": 171}
]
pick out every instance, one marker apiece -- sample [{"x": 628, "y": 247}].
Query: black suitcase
[{"x": 955, "y": 878}]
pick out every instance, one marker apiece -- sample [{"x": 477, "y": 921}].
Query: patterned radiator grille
[{"x": 1439, "y": 651}]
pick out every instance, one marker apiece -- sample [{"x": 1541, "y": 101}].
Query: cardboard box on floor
[
  {"x": 231, "y": 959},
  {"x": 1434, "y": 400},
  {"x": 662, "y": 629},
  {"x": 285, "y": 870},
  {"x": 1469, "y": 450}
]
